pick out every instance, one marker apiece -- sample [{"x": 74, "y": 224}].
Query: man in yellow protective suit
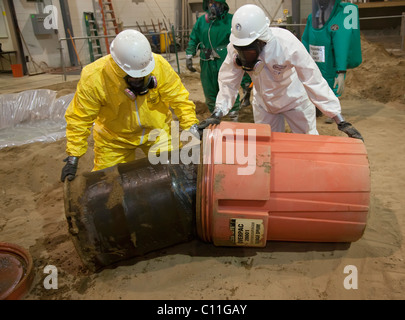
[{"x": 126, "y": 95}]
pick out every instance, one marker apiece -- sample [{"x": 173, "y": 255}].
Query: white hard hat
[
  {"x": 132, "y": 52},
  {"x": 248, "y": 24}
]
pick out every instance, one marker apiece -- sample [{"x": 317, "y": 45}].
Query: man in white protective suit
[{"x": 288, "y": 84}]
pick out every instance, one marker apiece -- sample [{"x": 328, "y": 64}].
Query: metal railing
[
  {"x": 303, "y": 24},
  {"x": 402, "y": 32},
  {"x": 73, "y": 39},
  {"x": 61, "y": 48},
  {"x": 183, "y": 34}
]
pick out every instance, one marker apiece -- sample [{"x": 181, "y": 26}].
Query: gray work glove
[
  {"x": 351, "y": 131},
  {"x": 245, "y": 101},
  {"x": 189, "y": 63},
  {"x": 339, "y": 83},
  {"x": 70, "y": 168},
  {"x": 194, "y": 131},
  {"x": 214, "y": 118}
]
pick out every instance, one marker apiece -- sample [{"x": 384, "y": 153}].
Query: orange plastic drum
[{"x": 255, "y": 186}]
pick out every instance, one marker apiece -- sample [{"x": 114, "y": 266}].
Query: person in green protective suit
[
  {"x": 210, "y": 35},
  {"x": 332, "y": 37}
]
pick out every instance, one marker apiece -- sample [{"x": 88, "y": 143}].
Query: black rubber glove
[
  {"x": 351, "y": 131},
  {"x": 189, "y": 65},
  {"x": 215, "y": 118},
  {"x": 70, "y": 168}
]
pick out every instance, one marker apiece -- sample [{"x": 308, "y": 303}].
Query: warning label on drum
[{"x": 247, "y": 232}]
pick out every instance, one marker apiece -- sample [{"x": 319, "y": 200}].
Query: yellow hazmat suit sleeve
[
  {"x": 173, "y": 92},
  {"x": 119, "y": 122},
  {"x": 84, "y": 108}
]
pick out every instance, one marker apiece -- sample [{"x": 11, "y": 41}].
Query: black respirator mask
[
  {"x": 248, "y": 56},
  {"x": 321, "y": 11},
  {"x": 325, "y": 3},
  {"x": 139, "y": 86},
  {"x": 216, "y": 10}
]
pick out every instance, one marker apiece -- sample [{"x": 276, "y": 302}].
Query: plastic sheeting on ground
[{"x": 32, "y": 116}]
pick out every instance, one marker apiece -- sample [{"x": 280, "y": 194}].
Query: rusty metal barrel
[{"x": 126, "y": 211}]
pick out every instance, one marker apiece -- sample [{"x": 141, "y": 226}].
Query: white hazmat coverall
[{"x": 287, "y": 87}]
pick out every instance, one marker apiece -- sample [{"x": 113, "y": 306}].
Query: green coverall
[
  {"x": 335, "y": 46},
  {"x": 206, "y": 37}
]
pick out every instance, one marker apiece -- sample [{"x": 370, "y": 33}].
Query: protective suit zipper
[{"x": 138, "y": 118}]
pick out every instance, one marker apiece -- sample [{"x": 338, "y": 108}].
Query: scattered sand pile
[{"x": 381, "y": 76}]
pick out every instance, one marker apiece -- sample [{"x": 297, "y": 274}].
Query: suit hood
[{"x": 205, "y": 5}]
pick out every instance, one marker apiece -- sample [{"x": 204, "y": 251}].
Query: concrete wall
[
  {"x": 269, "y": 6},
  {"x": 44, "y": 49},
  {"x": 272, "y": 8},
  {"x": 306, "y": 8},
  {"x": 143, "y": 12},
  {"x": 41, "y": 49},
  {"x": 5, "y": 36}
]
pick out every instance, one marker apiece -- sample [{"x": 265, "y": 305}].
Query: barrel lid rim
[{"x": 19, "y": 290}]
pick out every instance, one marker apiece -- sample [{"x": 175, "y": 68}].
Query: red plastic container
[
  {"x": 302, "y": 187},
  {"x": 17, "y": 70},
  {"x": 16, "y": 271}
]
